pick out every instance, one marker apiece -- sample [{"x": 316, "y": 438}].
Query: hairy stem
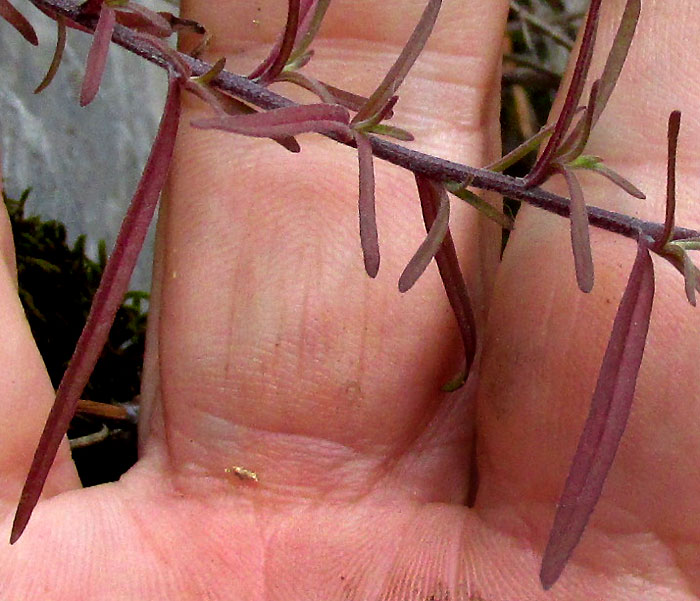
[{"x": 430, "y": 166}]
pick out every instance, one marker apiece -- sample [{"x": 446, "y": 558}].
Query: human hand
[{"x": 271, "y": 350}]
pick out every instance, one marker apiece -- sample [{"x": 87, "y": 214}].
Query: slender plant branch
[{"x": 412, "y": 160}]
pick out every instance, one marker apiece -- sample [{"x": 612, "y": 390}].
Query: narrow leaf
[
  {"x": 140, "y": 18},
  {"x": 213, "y": 73},
  {"x": 618, "y": 55},
  {"x": 521, "y": 151},
  {"x": 348, "y": 99},
  {"x": 580, "y": 237},
  {"x": 311, "y": 19},
  {"x": 613, "y": 176},
  {"x": 108, "y": 298},
  {"x": 18, "y": 21},
  {"x": 97, "y": 56},
  {"x": 692, "y": 278},
  {"x": 573, "y": 95},
  {"x": 430, "y": 194},
  {"x": 272, "y": 66},
  {"x": 57, "y": 55},
  {"x": 674, "y": 125},
  {"x": 309, "y": 83},
  {"x": 394, "y": 78},
  {"x": 287, "y": 121},
  {"x": 461, "y": 192},
  {"x": 391, "y": 131},
  {"x": 575, "y": 144},
  {"x": 428, "y": 248},
  {"x": 369, "y": 238},
  {"x": 676, "y": 254},
  {"x": 606, "y": 420},
  {"x": 228, "y": 105}
]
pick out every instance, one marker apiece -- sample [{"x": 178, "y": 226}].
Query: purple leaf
[
  {"x": 348, "y": 99},
  {"x": 57, "y": 55},
  {"x": 140, "y": 18},
  {"x": 287, "y": 121},
  {"x": 176, "y": 61},
  {"x": 312, "y": 13},
  {"x": 309, "y": 83},
  {"x": 368, "y": 221},
  {"x": 606, "y": 420},
  {"x": 430, "y": 194},
  {"x": 18, "y": 21},
  {"x": 674, "y": 126},
  {"x": 108, "y": 298},
  {"x": 573, "y": 95},
  {"x": 574, "y": 145},
  {"x": 394, "y": 78},
  {"x": 617, "y": 56},
  {"x": 272, "y": 66},
  {"x": 580, "y": 238},
  {"x": 429, "y": 247},
  {"x": 225, "y": 104},
  {"x": 97, "y": 56}
]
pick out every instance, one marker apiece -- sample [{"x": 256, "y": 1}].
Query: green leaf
[{"x": 460, "y": 191}]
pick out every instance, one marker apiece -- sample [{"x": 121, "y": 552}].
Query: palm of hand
[{"x": 325, "y": 383}]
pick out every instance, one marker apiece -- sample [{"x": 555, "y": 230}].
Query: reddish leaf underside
[
  {"x": 617, "y": 56},
  {"x": 674, "y": 126},
  {"x": 140, "y": 18},
  {"x": 273, "y": 64},
  {"x": 97, "y": 55},
  {"x": 606, "y": 420},
  {"x": 428, "y": 248},
  {"x": 108, "y": 298},
  {"x": 18, "y": 21},
  {"x": 395, "y": 76},
  {"x": 288, "y": 121},
  {"x": 580, "y": 237},
  {"x": 573, "y": 95},
  {"x": 369, "y": 238},
  {"x": 431, "y": 194},
  {"x": 574, "y": 145}
]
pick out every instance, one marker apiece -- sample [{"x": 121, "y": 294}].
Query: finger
[
  {"x": 26, "y": 393},
  {"x": 276, "y": 352},
  {"x": 546, "y": 340}
]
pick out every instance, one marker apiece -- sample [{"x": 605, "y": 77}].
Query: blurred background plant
[{"x": 63, "y": 228}]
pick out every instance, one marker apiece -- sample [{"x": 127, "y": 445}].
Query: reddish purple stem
[{"x": 108, "y": 298}]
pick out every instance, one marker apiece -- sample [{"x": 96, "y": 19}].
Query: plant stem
[{"x": 417, "y": 162}]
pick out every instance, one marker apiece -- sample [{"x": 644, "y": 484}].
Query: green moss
[{"x": 56, "y": 286}]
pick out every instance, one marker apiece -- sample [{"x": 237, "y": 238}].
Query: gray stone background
[{"x": 82, "y": 164}]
